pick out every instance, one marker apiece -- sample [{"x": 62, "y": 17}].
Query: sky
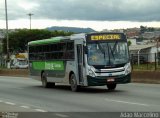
[{"x": 96, "y": 14}]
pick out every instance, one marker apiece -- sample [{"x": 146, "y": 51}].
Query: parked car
[{"x": 19, "y": 63}]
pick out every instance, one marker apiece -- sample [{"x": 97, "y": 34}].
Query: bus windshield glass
[{"x": 107, "y": 53}]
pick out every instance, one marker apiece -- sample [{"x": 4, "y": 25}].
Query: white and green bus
[{"x": 92, "y": 59}]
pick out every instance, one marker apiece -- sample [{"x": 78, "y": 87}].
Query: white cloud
[
  {"x": 97, "y": 14},
  {"x": 97, "y": 10},
  {"x": 96, "y": 25},
  {"x": 28, "y": 5}
]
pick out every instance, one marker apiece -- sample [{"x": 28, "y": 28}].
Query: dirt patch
[
  {"x": 14, "y": 72},
  {"x": 146, "y": 77}
]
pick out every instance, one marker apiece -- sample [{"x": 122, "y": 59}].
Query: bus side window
[{"x": 70, "y": 50}]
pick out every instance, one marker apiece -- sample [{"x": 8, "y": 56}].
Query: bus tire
[
  {"x": 111, "y": 86},
  {"x": 46, "y": 84},
  {"x": 73, "y": 82}
]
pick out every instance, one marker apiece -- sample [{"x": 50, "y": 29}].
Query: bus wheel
[
  {"x": 111, "y": 86},
  {"x": 73, "y": 82},
  {"x": 46, "y": 84}
]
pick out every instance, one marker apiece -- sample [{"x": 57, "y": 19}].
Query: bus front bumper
[{"x": 100, "y": 81}]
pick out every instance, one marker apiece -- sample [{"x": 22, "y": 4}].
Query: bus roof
[
  {"x": 97, "y": 36},
  {"x": 47, "y": 41}
]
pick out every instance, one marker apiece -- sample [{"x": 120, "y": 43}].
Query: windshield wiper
[
  {"x": 114, "y": 47},
  {"x": 109, "y": 55},
  {"x": 101, "y": 49},
  {"x": 112, "y": 52}
]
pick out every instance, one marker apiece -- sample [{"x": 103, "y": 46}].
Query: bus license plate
[{"x": 110, "y": 80}]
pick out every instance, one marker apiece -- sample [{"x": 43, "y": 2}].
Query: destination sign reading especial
[{"x": 106, "y": 37}]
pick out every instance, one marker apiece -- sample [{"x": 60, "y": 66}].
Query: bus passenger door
[{"x": 80, "y": 62}]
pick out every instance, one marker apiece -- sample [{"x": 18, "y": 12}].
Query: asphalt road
[{"x": 18, "y": 94}]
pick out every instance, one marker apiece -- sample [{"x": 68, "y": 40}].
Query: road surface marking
[
  {"x": 9, "y": 103},
  {"x": 26, "y": 107},
  {"x": 61, "y": 115},
  {"x": 125, "y": 102},
  {"x": 40, "y": 110}
]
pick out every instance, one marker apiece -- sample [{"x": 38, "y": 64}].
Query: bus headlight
[
  {"x": 91, "y": 72},
  {"x": 127, "y": 68}
]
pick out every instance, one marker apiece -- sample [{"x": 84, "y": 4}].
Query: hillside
[{"x": 71, "y": 29}]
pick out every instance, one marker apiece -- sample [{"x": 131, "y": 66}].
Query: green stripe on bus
[
  {"x": 49, "y": 65},
  {"x": 45, "y": 41}
]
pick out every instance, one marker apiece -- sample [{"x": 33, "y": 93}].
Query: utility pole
[
  {"x": 157, "y": 56},
  {"x": 30, "y": 15},
  {"x": 7, "y": 37}
]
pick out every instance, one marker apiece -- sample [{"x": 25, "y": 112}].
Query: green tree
[
  {"x": 143, "y": 29},
  {"x": 151, "y": 29},
  {"x": 19, "y": 39},
  {"x": 129, "y": 43}
]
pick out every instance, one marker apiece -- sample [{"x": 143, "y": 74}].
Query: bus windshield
[{"x": 108, "y": 53}]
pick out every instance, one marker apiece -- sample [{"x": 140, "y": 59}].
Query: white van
[{"x": 19, "y": 63}]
